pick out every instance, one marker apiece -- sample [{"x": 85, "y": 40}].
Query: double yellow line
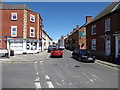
[{"x": 16, "y": 61}]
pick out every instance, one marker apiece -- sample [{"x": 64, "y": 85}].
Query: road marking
[
  {"x": 37, "y": 85},
  {"x": 47, "y": 77},
  {"x": 107, "y": 66},
  {"x": 50, "y": 85},
  {"x": 88, "y": 77}
]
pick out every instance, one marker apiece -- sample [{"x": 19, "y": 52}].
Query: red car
[{"x": 57, "y": 52}]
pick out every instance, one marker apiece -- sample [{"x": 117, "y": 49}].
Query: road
[{"x": 58, "y": 73}]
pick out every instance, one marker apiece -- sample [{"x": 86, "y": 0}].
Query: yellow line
[{"x": 107, "y": 66}]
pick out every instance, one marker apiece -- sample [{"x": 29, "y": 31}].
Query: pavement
[
  {"x": 104, "y": 62},
  {"x": 25, "y": 57}
]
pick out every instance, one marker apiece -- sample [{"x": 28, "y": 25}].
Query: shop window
[{"x": 13, "y": 16}]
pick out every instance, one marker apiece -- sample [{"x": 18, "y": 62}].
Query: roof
[
  {"x": 109, "y": 9},
  {"x": 14, "y": 6}
]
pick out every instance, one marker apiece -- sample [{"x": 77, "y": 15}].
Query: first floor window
[
  {"x": 13, "y": 31},
  {"x": 93, "y": 29},
  {"x": 93, "y": 44},
  {"x": 32, "y": 32},
  {"x": 107, "y": 25}
]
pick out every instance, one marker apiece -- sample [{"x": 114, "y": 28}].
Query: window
[
  {"x": 13, "y": 31},
  {"x": 32, "y": 31},
  {"x": 119, "y": 47},
  {"x": 32, "y": 18},
  {"x": 93, "y": 44},
  {"x": 13, "y": 16},
  {"x": 93, "y": 29},
  {"x": 107, "y": 25}
]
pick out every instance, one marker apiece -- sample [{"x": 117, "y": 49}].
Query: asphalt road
[{"x": 58, "y": 73}]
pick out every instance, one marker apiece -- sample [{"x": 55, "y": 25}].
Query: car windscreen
[
  {"x": 57, "y": 49},
  {"x": 85, "y": 52}
]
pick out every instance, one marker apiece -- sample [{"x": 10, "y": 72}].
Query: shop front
[{"x": 23, "y": 46}]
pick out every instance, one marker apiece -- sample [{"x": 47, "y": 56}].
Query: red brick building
[
  {"x": 103, "y": 33},
  {"x": 20, "y": 29}
]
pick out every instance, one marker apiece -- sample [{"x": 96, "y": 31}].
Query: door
[{"x": 107, "y": 47}]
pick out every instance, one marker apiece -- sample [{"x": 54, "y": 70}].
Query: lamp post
[{"x": 6, "y": 39}]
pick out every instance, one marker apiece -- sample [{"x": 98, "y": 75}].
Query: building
[
  {"x": 77, "y": 37},
  {"x": 103, "y": 33},
  {"x": 82, "y": 34},
  {"x": 61, "y": 41},
  {"x": 46, "y": 40},
  {"x": 21, "y": 29}
]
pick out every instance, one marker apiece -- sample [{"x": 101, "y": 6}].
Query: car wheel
[{"x": 80, "y": 59}]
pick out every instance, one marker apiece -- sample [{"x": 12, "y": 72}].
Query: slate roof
[
  {"x": 14, "y": 6},
  {"x": 109, "y": 9}
]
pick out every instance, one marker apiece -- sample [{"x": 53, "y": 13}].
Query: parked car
[
  {"x": 83, "y": 55},
  {"x": 4, "y": 53},
  {"x": 51, "y": 47},
  {"x": 57, "y": 52},
  {"x": 62, "y": 48}
]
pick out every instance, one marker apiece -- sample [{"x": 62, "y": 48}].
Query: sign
[{"x": 82, "y": 34}]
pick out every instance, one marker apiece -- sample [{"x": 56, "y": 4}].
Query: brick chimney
[{"x": 88, "y": 19}]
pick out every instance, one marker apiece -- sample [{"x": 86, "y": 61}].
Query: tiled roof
[
  {"x": 109, "y": 9},
  {"x": 14, "y": 6}
]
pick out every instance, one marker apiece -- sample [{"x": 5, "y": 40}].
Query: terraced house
[
  {"x": 21, "y": 29},
  {"x": 103, "y": 33}
]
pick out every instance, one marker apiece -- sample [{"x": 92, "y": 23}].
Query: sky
[{"x": 59, "y": 18}]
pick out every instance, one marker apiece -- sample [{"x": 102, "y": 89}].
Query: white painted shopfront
[{"x": 21, "y": 46}]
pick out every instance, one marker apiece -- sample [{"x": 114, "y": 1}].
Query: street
[{"x": 63, "y": 72}]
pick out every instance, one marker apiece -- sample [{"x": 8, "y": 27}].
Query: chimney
[
  {"x": 77, "y": 26},
  {"x": 88, "y": 19}
]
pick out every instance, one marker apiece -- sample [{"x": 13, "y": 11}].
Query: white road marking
[
  {"x": 97, "y": 77},
  {"x": 50, "y": 85},
  {"x": 37, "y": 79},
  {"x": 88, "y": 77},
  {"x": 37, "y": 73},
  {"x": 35, "y": 62},
  {"x": 37, "y": 85},
  {"x": 47, "y": 77}
]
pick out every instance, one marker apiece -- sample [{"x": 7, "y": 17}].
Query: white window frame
[
  {"x": 12, "y": 14},
  {"x": 92, "y": 44},
  {"x": 13, "y": 31},
  {"x": 92, "y": 28},
  {"x": 107, "y": 24},
  {"x": 32, "y": 32},
  {"x": 31, "y": 18}
]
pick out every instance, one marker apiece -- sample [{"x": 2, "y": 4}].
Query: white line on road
[
  {"x": 37, "y": 85},
  {"x": 50, "y": 85},
  {"x": 47, "y": 77},
  {"x": 88, "y": 77}
]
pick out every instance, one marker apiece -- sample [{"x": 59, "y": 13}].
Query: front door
[{"x": 107, "y": 47}]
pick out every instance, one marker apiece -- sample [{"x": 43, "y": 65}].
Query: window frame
[
  {"x": 32, "y": 32},
  {"x": 107, "y": 25},
  {"x": 93, "y": 41},
  {"x": 92, "y": 28},
  {"x": 31, "y": 18},
  {"x": 12, "y": 14},
  {"x": 13, "y": 31}
]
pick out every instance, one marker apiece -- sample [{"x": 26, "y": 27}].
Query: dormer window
[
  {"x": 32, "y": 18},
  {"x": 13, "y": 16}
]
